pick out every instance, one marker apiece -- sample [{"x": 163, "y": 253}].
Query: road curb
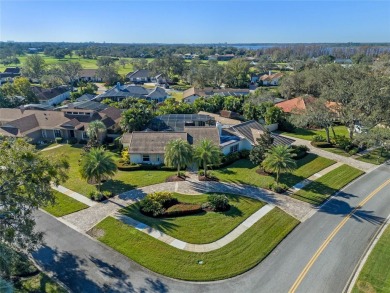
[{"x": 356, "y": 272}]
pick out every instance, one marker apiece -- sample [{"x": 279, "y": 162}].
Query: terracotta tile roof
[{"x": 295, "y": 104}]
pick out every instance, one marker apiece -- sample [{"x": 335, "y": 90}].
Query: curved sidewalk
[{"x": 235, "y": 233}]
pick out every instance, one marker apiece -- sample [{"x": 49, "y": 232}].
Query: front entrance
[{"x": 71, "y": 133}]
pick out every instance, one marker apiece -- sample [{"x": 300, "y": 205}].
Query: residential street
[{"x": 86, "y": 265}]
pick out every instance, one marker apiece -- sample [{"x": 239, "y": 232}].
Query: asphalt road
[{"x": 86, "y": 265}]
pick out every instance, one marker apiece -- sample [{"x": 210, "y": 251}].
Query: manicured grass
[
  {"x": 205, "y": 227},
  {"x": 39, "y": 283},
  {"x": 375, "y": 276},
  {"x": 337, "y": 151},
  {"x": 232, "y": 259},
  {"x": 309, "y": 133},
  {"x": 243, "y": 171},
  {"x": 319, "y": 190},
  {"x": 121, "y": 182},
  {"x": 64, "y": 205},
  {"x": 375, "y": 157}
]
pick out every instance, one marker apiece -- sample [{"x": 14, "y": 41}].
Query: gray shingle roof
[
  {"x": 152, "y": 142},
  {"x": 135, "y": 91},
  {"x": 141, "y": 73}
]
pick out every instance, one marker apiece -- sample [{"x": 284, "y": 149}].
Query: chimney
[
  {"x": 219, "y": 127},
  {"x": 270, "y": 72}
]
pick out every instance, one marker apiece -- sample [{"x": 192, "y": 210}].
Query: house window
[
  {"x": 234, "y": 148},
  {"x": 84, "y": 135},
  {"x": 145, "y": 158},
  {"x": 57, "y": 133},
  {"x": 44, "y": 133}
]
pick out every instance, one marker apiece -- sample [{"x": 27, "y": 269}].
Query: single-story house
[
  {"x": 145, "y": 75},
  {"x": 52, "y": 96},
  {"x": 300, "y": 104},
  {"x": 177, "y": 122},
  {"x": 39, "y": 125},
  {"x": 190, "y": 95},
  {"x": 148, "y": 147},
  {"x": 9, "y": 74},
  {"x": 121, "y": 92},
  {"x": 89, "y": 75},
  {"x": 271, "y": 78}
]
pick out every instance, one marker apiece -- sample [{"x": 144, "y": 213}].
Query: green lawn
[
  {"x": 39, "y": 283},
  {"x": 205, "y": 227},
  {"x": 319, "y": 190},
  {"x": 309, "y": 133},
  {"x": 64, "y": 205},
  {"x": 375, "y": 157},
  {"x": 232, "y": 259},
  {"x": 244, "y": 172},
  {"x": 375, "y": 276},
  {"x": 121, "y": 182}
]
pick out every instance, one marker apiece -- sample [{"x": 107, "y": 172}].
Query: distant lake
[{"x": 256, "y": 47}]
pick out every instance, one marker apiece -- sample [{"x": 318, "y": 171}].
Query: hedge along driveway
[
  {"x": 121, "y": 182},
  {"x": 205, "y": 227},
  {"x": 234, "y": 258},
  {"x": 244, "y": 172}
]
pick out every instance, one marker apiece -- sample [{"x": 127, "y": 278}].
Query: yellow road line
[{"x": 302, "y": 275}]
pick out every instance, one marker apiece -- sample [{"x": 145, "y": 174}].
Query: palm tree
[
  {"x": 94, "y": 129},
  {"x": 96, "y": 165},
  {"x": 279, "y": 159},
  {"x": 178, "y": 153},
  {"x": 206, "y": 152}
]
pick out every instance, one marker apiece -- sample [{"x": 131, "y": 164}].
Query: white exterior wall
[
  {"x": 155, "y": 159},
  {"x": 243, "y": 144}
]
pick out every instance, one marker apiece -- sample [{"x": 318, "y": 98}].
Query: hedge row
[
  {"x": 135, "y": 167},
  {"x": 182, "y": 209}
]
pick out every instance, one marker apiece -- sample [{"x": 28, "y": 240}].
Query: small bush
[
  {"x": 285, "y": 125},
  {"x": 321, "y": 144},
  {"x": 155, "y": 203},
  {"x": 343, "y": 143},
  {"x": 244, "y": 154},
  {"x": 353, "y": 151},
  {"x": 96, "y": 195},
  {"x": 218, "y": 202},
  {"x": 318, "y": 138},
  {"x": 83, "y": 141},
  {"x": 72, "y": 140},
  {"x": 128, "y": 167},
  {"x": 59, "y": 139},
  {"x": 300, "y": 151},
  {"x": 278, "y": 188},
  {"x": 182, "y": 209}
]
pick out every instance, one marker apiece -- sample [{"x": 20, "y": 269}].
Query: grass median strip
[
  {"x": 375, "y": 276},
  {"x": 64, "y": 205},
  {"x": 201, "y": 228},
  {"x": 319, "y": 190},
  {"x": 244, "y": 171},
  {"x": 232, "y": 259}
]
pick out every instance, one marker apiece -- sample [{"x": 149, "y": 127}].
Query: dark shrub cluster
[
  {"x": 155, "y": 204},
  {"x": 218, "y": 202}
]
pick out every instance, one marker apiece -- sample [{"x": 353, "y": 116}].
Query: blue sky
[{"x": 195, "y": 21}]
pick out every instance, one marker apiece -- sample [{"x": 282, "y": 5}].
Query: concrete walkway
[
  {"x": 53, "y": 147},
  {"x": 85, "y": 219},
  {"x": 74, "y": 195},
  {"x": 157, "y": 234},
  {"x": 366, "y": 167}
]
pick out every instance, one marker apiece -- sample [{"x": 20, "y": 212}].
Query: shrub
[
  {"x": 278, "y": 188},
  {"x": 96, "y": 195},
  {"x": 59, "y": 139},
  {"x": 218, "y": 202},
  {"x": 285, "y": 125},
  {"x": 318, "y": 138},
  {"x": 72, "y": 140},
  {"x": 343, "y": 143},
  {"x": 244, "y": 154},
  {"x": 182, "y": 209},
  {"x": 155, "y": 203},
  {"x": 353, "y": 151},
  {"x": 82, "y": 141},
  {"x": 321, "y": 144},
  {"x": 128, "y": 167},
  {"x": 300, "y": 151}
]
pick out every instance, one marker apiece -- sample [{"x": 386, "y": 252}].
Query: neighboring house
[
  {"x": 89, "y": 75},
  {"x": 144, "y": 75},
  {"x": 177, "y": 122},
  {"x": 300, "y": 104},
  {"x": 148, "y": 147},
  {"x": 85, "y": 105},
  {"x": 86, "y": 97},
  {"x": 225, "y": 57},
  {"x": 271, "y": 79},
  {"x": 9, "y": 74},
  {"x": 52, "y": 96},
  {"x": 190, "y": 95},
  {"x": 121, "y": 92},
  {"x": 39, "y": 125},
  {"x": 223, "y": 120},
  {"x": 244, "y": 136}
]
